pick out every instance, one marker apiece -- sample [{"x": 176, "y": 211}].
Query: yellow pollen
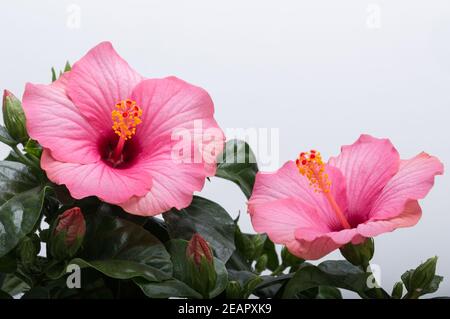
[
  {"x": 311, "y": 165},
  {"x": 126, "y": 116}
]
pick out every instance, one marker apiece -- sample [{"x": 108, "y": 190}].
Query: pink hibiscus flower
[
  {"x": 314, "y": 208},
  {"x": 108, "y": 132}
]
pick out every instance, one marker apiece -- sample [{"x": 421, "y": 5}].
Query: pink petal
[
  {"x": 288, "y": 183},
  {"x": 413, "y": 181},
  {"x": 313, "y": 244},
  {"x": 98, "y": 179},
  {"x": 313, "y": 250},
  {"x": 279, "y": 219},
  {"x": 173, "y": 184},
  {"x": 56, "y": 123},
  {"x": 367, "y": 165},
  {"x": 98, "y": 81},
  {"x": 408, "y": 217},
  {"x": 173, "y": 109},
  {"x": 299, "y": 227},
  {"x": 169, "y": 104}
]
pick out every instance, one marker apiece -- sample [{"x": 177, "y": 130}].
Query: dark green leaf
[
  {"x": 208, "y": 219},
  {"x": 289, "y": 260},
  {"x": 326, "y": 292},
  {"x": 222, "y": 278},
  {"x": 397, "y": 290},
  {"x": 4, "y": 295},
  {"x": 67, "y": 67},
  {"x": 12, "y": 284},
  {"x": 8, "y": 263},
  {"x": 238, "y": 164},
  {"x": 18, "y": 217},
  {"x": 54, "y": 77},
  {"x": 158, "y": 228},
  {"x": 121, "y": 249},
  {"x": 93, "y": 286},
  {"x": 422, "y": 280},
  {"x": 434, "y": 285},
  {"x": 5, "y": 137},
  {"x": 167, "y": 289},
  {"x": 271, "y": 285},
  {"x": 37, "y": 293},
  {"x": 252, "y": 246},
  {"x": 340, "y": 274},
  {"x": 15, "y": 178}
]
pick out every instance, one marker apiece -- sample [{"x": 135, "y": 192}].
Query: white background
[{"x": 322, "y": 71}]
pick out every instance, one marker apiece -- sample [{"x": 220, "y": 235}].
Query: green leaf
[
  {"x": 327, "y": 292},
  {"x": 340, "y": 274},
  {"x": 93, "y": 286},
  {"x": 4, "y": 295},
  {"x": 252, "y": 247},
  {"x": 422, "y": 280},
  {"x": 8, "y": 263},
  {"x": 121, "y": 249},
  {"x": 238, "y": 164},
  {"x": 434, "y": 285},
  {"x": 5, "y": 137},
  {"x": 177, "y": 249},
  {"x": 271, "y": 285},
  {"x": 222, "y": 278},
  {"x": 167, "y": 289},
  {"x": 18, "y": 217},
  {"x": 289, "y": 260},
  {"x": 208, "y": 219},
  {"x": 37, "y": 293},
  {"x": 15, "y": 178},
  {"x": 397, "y": 290},
  {"x": 54, "y": 77},
  {"x": 12, "y": 284},
  {"x": 67, "y": 67}
]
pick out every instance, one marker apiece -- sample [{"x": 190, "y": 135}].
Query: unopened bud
[
  {"x": 14, "y": 117},
  {"x": 68, "y": 233},
  {"x": 200, "y": 260},
  {"x": 359, "y": 255}
]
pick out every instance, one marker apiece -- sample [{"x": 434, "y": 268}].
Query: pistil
[
  {"x": 311, "y": 165},
  {"x": 126, "y": 116}
]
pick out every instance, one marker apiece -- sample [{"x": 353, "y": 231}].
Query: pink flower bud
[
  {"x": 72, "y": 222},
  {"x": 201, "y": 270},
  {"x": 199, "y": 248}
]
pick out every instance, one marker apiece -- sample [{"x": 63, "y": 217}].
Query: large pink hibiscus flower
[
  {"x": 314, "y": 208},
  {"x": 108, "y": 132}
]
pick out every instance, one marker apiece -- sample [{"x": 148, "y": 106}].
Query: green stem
[
  {"x": 25, "y": 159},
  {"x": 279, "y": 270}
]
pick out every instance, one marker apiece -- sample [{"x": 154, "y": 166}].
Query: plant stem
[
  {"x": 25, "y": 159},
  {"x": 279, "y": 270}
]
